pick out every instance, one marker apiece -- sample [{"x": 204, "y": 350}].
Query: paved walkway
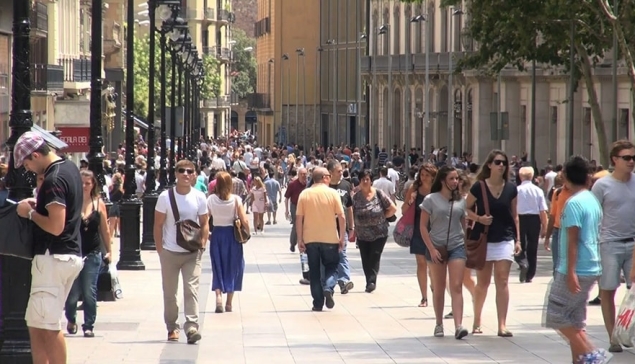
[{"x": 272, "y": 320}]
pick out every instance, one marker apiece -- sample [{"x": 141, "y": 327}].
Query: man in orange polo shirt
[
  {"x": 559, "y": 198},
  {"x": 318, "y": 235}
]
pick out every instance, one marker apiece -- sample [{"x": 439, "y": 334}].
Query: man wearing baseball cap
[{"x": 57, "y": 260}]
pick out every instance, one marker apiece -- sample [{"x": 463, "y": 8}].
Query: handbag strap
[
  {"x": 235, "y": 208},
  {"x": 485, "y": 203},
  {"x": 175, "y": 207},
  {"x": 447, "y": 238}
]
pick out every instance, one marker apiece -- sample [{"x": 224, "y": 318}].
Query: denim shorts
[
  {"x": 456, "y": 253},
  {"x": 616, "y": 258}
]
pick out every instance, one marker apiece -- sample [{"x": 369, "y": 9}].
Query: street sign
[
  {"x": 352, "y": 109},
  {"x": 503, "y": 133}
]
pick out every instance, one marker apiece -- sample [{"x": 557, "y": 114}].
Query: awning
[
  {"x": 139, "y": 122},
  {"x": 53, "y": 141}
]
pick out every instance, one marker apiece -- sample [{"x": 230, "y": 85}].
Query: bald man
[
  {"x": 532, "y": 217},
  {"x": 321, "y": 230}
]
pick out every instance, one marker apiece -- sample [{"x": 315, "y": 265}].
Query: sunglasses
[
  {"x": 498, "y": 162},
  {"x": 186, "y": 170},
  {"x": 627, "y": 158}
]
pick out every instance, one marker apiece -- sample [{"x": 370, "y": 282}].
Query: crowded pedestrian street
[{"x": 272, "y": 321}]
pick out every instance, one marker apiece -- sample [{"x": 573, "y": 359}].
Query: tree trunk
[
  {"x": 585, "y": 66},
  {"x": 628, "y": 55}
]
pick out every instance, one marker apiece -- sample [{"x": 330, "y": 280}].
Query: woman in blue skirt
[{"x": 228, "y": 263}]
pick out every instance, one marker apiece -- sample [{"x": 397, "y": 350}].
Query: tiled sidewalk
[{"x": 272, "y": 320}]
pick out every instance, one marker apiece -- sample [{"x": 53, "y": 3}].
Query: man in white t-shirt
[
  {"x": 384, "y": 184},
  {"x": 393, "y": 175},
  {"x": 177, "y": 260},
  {"x": 550, "y": 178},
  {"x": 248, "y": 155}
]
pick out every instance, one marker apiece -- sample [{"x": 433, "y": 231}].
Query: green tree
[
  {"x": 211, "y": 78},
  {"x": 243, "y": 67},
  {"x": 516, "y": 32}
]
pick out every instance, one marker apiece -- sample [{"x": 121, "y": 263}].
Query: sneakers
[
  {"x": 438, "y": 331},
  {"x": 193, "y": 336},
  {"x": 328, "y": 296},
  {"x": 173, "y": 335},
  {"x": 460, "y": 333},
  {"x": 599, "y": 356}
]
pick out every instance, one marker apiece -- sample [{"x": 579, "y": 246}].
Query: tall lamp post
[
  {"x": 336, "y": 129},
  {"x": 362, "y": 39},
  {"x": 283, "y": 126},
  {"x": 96, "y": 142},
  {"x": 318, "y": 76},
  {"x": 383, "y": 30},
  {"x": 416, "y": 20},
  {"x": 168, "y": 9},
  {"x": 450, "y": 118},
  {"x": 300, "y": 53},
  {"x": 16, "y": 277},
  {"x": 178, "y": 40}
]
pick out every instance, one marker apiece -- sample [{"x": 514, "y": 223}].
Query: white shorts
[
  {"x": 500, "y": 251},
  {"x": 52, "y": 279}
]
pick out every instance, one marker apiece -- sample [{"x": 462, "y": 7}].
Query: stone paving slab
[{"x": 272, "y": 320}]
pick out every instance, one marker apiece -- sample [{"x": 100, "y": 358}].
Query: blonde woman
[{"x": 258, "y": 204}]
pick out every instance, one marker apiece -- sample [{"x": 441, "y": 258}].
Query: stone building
[{"x": 398, "y": 54}]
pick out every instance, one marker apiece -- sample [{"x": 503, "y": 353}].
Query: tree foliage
[
  {"x": 210, "y": 85},
  {"x": 243, "y": 68}
]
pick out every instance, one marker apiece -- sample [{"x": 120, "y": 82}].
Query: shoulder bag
[
  {"x": 188, "y": 232},
  {"x": 241, "y": 232},
  {"x": 405, "y": 227},
  {"x": 476, "y": 249}
]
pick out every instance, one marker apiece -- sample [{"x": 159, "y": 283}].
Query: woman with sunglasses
[
  {"x": 415, "y": 195},
  {"x": 444, "y": 210},
  {"x": 503, "y": 241}
]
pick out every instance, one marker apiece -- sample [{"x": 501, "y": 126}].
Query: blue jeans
[
  {"x": 343, "y": 269},
  {"x": 322, "y": 254},
  {"x": 85, "y": 285}
]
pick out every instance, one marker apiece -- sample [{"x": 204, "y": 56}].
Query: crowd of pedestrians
[{"x": 333, "y": 197}]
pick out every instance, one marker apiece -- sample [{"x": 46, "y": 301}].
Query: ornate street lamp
[
  {"x": 16, "y": 272},
  {"x": 177, "y": 45},
  {"x": 168, "y": 11}
]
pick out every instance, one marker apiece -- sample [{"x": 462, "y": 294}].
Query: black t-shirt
[
  {"x": 345, "y": 190},
  {"x": 398, "y": 161},
  {"x": 62, "y": 185},
  {"x": 414, "y": 157},
  {"x": 503, "y": 227}
]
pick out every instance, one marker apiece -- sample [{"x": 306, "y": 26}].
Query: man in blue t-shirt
[{"x": 579, "y": 238}]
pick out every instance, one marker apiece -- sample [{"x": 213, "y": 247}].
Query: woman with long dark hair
[
  {"x": 415, "y": 195},
  {"x": 503, "y": 241},
  {"x": 442, "y": 227}
]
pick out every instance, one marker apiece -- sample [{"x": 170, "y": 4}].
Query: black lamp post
[
  {"x": 96, "y": 142},
  {"x": 15, "y": 279},
  {"x": 177, "y": 46},
  {"x": 168, "y": 9}
]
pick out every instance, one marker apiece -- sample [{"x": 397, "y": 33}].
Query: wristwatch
[{"x": 31, "y": 214}]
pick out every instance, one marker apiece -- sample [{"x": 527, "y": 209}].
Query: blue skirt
[{"x": 228, "y": 263}]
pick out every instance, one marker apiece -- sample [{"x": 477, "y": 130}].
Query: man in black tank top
[{"x": 56, "y": 214}]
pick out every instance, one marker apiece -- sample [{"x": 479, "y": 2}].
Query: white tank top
[{"x": 223, "y": 212}]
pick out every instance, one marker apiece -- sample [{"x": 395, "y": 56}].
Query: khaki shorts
[{"x": 52, "y": 279}]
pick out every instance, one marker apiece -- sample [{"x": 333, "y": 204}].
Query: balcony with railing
[
  {"x": 39, "y": 19},
  {"x": 220, "y": 102},
  {"x": 223, "y": 16},
  {"x": 47, "y": 78},
  {"x": 209, "y": 14},
  {"x": 399, "y": 62},
  {"x": 209, "y": 51},
  {"x": 223, "y": 54},
  {"x": 259, "y": 101},
  {"x": 76, "y": 72}
]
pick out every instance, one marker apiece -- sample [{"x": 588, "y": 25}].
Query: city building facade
[
  {"x": 210, "y": 23},
  {"x": 396, "y": 69},
  {"x": 342, "y": 44},
  {"x": 287, "y": 98}
]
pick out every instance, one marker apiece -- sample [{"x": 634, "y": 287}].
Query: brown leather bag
[
  {"x": 477, "y": 249},
  {"x": 241, "y": 232},
  {"x": 188, "y": 232},
  {"x": 443, "y": 251}
]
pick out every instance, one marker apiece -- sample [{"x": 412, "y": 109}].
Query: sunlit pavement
[{"x": 272, "y": 320}]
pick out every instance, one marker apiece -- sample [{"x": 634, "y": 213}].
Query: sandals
[
  {"x": 505, "y": 333},
  {"x": 424, "y": 302},
  {"x": 477, "y": 330},
  {"x": 228, "y": 308},
  {"x": 219, "y": 308}
]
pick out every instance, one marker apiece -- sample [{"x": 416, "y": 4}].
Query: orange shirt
[{"x": 557, "y": 205}]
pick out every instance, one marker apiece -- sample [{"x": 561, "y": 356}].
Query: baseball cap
[{"x": 28, "y": 143}]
